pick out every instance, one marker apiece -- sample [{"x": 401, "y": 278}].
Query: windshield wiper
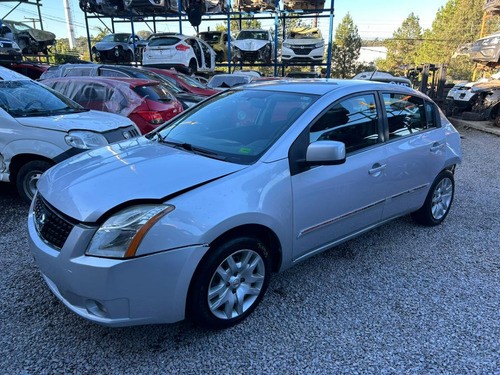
[{"x": 189, "y": 147}]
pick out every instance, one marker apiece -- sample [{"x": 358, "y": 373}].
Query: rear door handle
[{"x": 436, "y": 146}]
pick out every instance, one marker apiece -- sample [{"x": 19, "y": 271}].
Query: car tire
[
  {"x": 230, "y": 283},
  {"x": 438, "y": 201},
  {"x": 28, "y": 176}
]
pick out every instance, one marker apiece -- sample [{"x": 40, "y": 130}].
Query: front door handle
[{"x": 377, "y": 169}]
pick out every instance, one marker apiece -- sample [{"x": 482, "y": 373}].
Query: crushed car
[
  {"x": 486, "y": 50},
  {"x": 29, "y": 40}
]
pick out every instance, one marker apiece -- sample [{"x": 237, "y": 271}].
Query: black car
[
  {"x": 67, "y": 70},
  {"x": 9, "y": 51}
]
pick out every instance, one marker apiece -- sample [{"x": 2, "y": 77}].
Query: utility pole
[
  {"x": 33, "y": 20},
  {"x": 69, "y": 24}
]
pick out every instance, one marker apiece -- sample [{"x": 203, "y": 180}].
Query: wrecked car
[
  {"x": 303, "y": 44},
  {"x": 119, "y": 47},
  {"x": 486, "y": 50},
  {"x": 485, "y": 102},
  {"x": 9, "y": 51},
  {"x": 254, "y": 45},
  {"x": 30, "y": 40},
  {"x": 218, "y": 40}
]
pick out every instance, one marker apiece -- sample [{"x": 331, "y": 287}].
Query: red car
[
  {"x": 148, "y": 103},
  {"x": 184, "y": 82}
]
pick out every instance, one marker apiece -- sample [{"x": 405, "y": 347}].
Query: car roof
[
  {"x": 112, "y": 81},
  {"x": 322, "y": 86}
]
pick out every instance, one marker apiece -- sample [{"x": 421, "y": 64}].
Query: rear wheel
[
  {"x": 438, "y": 201},
  {"x": 230, "y": 284},
  {"x": 28, "y": 176}
]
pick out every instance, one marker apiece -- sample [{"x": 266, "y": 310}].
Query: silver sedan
[{"x": 191, "y": 220}]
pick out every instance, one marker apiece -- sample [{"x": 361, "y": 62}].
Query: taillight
[
  {"x": 152, "y": 117},
  {"x": 182, "y": 47}
]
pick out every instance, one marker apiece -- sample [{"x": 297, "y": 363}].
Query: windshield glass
[
  {"x": 246, "y": 34},
  {"x": 158, "y": 93},
  {"x": 190, "y": 81},
  {"x": 27, "y": 98},
  {"x": 237, "y": 125}
]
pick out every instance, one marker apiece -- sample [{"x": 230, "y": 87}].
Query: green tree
[
  {"x": 402, "y": 48},
  {"x": 345, "y": 49},
  {"x": 458, "y": 22}
]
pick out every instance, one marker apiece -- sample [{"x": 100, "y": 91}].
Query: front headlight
[
  {"x": 15, "y": 45},
  {"x": 287, "y": 45},
  {"x": 85, "y": 139},
  {"x": 121, "y": 235},
  {"x": 319, "y": 45}
]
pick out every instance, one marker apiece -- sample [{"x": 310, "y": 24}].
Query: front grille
[
  {"x": 52, "y": 226},
  {"x": 302, "y": 50},
  {"x": 121, "y": 134}
]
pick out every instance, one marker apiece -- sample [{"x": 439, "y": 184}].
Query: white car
[
  {"x": 303, "y": 44},
  {"x": 182, "y": 52},
  {"x": 40, "y": 128},
  {"x": 254, "y": 45}
]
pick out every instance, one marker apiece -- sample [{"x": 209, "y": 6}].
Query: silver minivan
[
  {"x": 39, "y": 128},
  {"x": 191, "y": 220}
]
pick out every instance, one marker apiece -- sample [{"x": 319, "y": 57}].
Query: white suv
[
  {"x": 303, "y": 44},
  {"x": 39, "y": 128}
]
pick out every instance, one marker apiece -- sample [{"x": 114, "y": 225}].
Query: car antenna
[{"x": 375, "y": 71}]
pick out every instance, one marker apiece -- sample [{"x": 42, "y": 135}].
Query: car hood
[
  {"x": 42, "y": 35},
  {"x": 96, "y": 121},
  {"x": 303, "y": 42},
  {"x": 250, "y": 44},
  {"x": 90, "y": 184}
]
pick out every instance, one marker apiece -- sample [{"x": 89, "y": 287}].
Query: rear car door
[
  {"x": 416, "y": 150},
  {"x": 331, "y": 202}
]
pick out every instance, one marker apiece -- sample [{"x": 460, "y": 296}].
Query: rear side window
[
  {"x": 407, "y": 114},
  {"x": 157, "y": 93},
  {"x": 353, "y": 121},
  {"x": 166, "y": 41}
]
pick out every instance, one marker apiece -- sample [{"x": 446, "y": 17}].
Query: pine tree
[
  {"x": 345, "y": 49},
  {"x": 403, "y": 46}
]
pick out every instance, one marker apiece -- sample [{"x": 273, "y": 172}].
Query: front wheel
[
  {"x": 28, "y": 176},
  {"x": 438, "y": 201},
  {"x": 230, "y": 283}
]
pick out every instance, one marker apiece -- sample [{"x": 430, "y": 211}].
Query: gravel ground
[{"x": 402, "y": 299}]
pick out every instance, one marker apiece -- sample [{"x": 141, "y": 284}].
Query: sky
[{"x": 374, "y": 18}]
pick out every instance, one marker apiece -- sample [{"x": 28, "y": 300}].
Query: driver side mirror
[{"x": 325, "y": 153}]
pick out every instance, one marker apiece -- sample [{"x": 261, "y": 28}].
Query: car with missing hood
[
  {"x": 41, "y": 127},
  {"x": 119, "y": 47},
  {"x": 192, "y": 219},
  {"x": 30, "y": 40},
  {"x": 254, "y": 45},
  {"x": 218, "y": 40}
]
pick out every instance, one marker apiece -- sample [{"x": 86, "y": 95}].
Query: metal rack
[{"x": 276, "y": 15}]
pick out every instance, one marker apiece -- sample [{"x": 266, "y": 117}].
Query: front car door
[
  {"x": 333, "y": 202},
  {"x": 416, "y": 150}
]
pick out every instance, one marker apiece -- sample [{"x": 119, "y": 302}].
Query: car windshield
[
  {"x": 305, "y": 35},
  {"x": 191, "y": 81},
  {"x": 25, "y": 98},
  {"x": 18, "y": 26},
  {"x": 260, "y": 35},
  {"x": 163, "y": 41},
  {"x": 211, "y": 38},
  {"x": 120, "y": 38},
  {"x": 237, "y": 126}
]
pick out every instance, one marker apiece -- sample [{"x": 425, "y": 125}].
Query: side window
[
  {"x": 112, "y": 73},
  {"x": 353, "y": 121},
  {"x": 431, "y": 115},
  {"x": 407, "y": 114}
]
